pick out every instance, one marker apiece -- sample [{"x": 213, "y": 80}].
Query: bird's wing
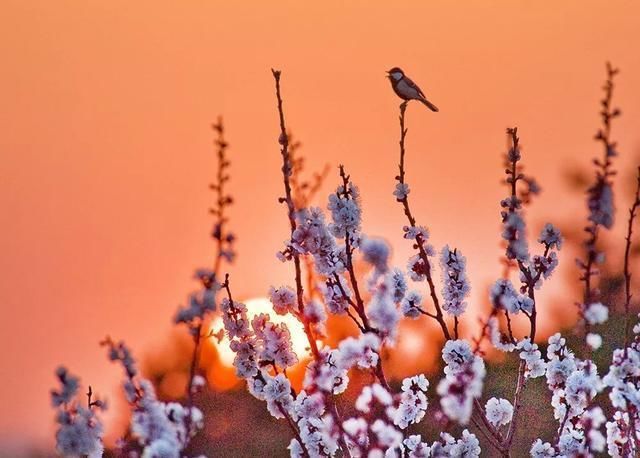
[{"x": 414, "y": 86}]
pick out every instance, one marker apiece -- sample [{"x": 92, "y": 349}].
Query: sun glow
[{"x": 254, "y": 307}]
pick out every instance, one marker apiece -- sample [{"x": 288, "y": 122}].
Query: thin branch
[
  {"x": 288, "y": 199},
  {"x": 224, "y": 250},
  {"x": 599, "y": 215},
  {"x": 420, "y": 242},
  {"x": 627, "y": 271},
  {"x": 491, "y": 433},
  {"x": 517, "y": 401},
  {"x": 492, "y": 440}
]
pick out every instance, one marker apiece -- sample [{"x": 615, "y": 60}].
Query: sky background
[{"x": 106, "y": 152}]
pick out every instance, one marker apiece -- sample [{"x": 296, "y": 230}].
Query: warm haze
[{"x": 106, "y": 151}]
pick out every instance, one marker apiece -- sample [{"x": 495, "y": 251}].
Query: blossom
[
  {"x": 550, "y": 236},
  {"x": 388, "y": 436},
  {"x": 596, "y": 313},
  {"x": 499, "y": 411},
  {"x": 600, "y": 203},
  {"x": 360, "y": 352},
  {"x": 312, "y": 236},
  {"x": 410, "y": 305},
  {"x": 455, "y": 283},
  {"x": 160, "y": 448},
  {"x": 273, "y": 342},
  {"x": 376, "y": 253},
  {"x": 504, "y": 295},
  {"x": 153, "y": 421},
  {"x": 369, "y": 394},
  {"x": 283, "y": 299},
  {"x": 277, "y": 393},
  {"x": 415, "y": 233},
  {"x": 309, "y": 406},
  {"x": 357, "y": 430},
  {"x": 315, "y": 314},
  {"x": 234, "y": 317},
  {"x": 382, "y": 310},
  {"x": 346, "y": 214},
  {"x": 559, "y": 370},
  {"x": 70, "y": 385},
  {"x": 534, "y": 365},
  {"x": 318, "y": 435},
  {"x": 545, "y": 265},
  {"x": 413, "y": 401},
  {"x": 295, "y": 449},
  {"x": 456, "y": 354},
  {"x": 541, "y": 449},
  {"x": 514, "y": 233},
  {"x": 401, "y": 191},
  {"x": 417, "y": 269},
  {"x": 337, "y": 295},
  {"x": 468, "y": 446},
  {"x": 328, "y": 372},
  {"x": 398, "y": 285},
  {"x": 79, "y": 431},
  {"x": 79, "y": 435},
  {"x": 417, "y": 448},
  {"x": 499, "y": 340},
  {"x": 200, "y": 303},
  {"x": 464, "y": 375},
  {"x": 594, "y": 340}
]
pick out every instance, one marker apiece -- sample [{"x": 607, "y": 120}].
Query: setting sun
[
  {"x": 430, "y": 181},
  {"x": 254, "y": 307}
]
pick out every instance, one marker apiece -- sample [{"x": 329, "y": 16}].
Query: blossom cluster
[
  {"x": 79, "y": 429},
  {"x": 159, "y": 428},
  {"x": 351, "y": 274},
  {"x": 464, "y": 377}
]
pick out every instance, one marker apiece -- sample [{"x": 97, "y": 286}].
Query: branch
[
  {"x": 420, "y": 242},
  {"x": 627, "y": 271},
  {"x": 600, "y": 200},
  {"x": 224, "y": 250},
  {"x": 288, "y": 199}
]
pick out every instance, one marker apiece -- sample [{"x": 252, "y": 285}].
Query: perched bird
[{"x": 407, "y": 89}]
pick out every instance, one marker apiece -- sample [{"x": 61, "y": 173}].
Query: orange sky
[{"x": 105, "y": 109}]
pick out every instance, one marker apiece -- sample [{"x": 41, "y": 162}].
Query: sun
[{"x": 256, "y": 306}]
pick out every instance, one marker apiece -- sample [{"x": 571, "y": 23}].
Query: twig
[
  {"x": 223, "y": 250},
  {"x": 602, "y": 183},
  {"x": 288, "y": 199},
  {"x": 516, "y": 404},
  {"x": 627, "y": 271},
  {"x": 89, "y": 394},
  {"x": 294, "y": 428},
  {"x": 492, "y": 440},
  {"x": 341, "y": 440},
  {"x": 420, "y": 242},
  {"x": 291, "y": 213}
]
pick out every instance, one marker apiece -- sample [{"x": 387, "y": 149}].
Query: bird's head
[{"x": 395, "y": 73}]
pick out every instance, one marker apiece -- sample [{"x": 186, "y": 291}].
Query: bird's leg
[{"x": 403, "y": 105}]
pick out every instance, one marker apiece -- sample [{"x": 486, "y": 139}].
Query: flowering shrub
[{"x": 326, "y": 246}]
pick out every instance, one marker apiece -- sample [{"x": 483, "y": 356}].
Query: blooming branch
[{"x": 420, "y": 267}]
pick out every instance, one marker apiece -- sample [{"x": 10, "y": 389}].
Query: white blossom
[
  {"x": 376, "y": 253},
  {"x": 594, "y": 340},
  {"x": 283, "y": 299},
  {"x": 455, "y": 283},
  {"x": 499, "y": 411},
  {"x": 410, "y": 305},
  {"x": 596, "y": 313}
]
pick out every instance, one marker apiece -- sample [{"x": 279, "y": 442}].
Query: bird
[{"x": 407, "y": 89}]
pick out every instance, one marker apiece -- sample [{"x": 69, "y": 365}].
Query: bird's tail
[{"x": 430, "y": 105}]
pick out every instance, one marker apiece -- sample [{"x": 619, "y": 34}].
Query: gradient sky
[{"x": 106, "y": 151}]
